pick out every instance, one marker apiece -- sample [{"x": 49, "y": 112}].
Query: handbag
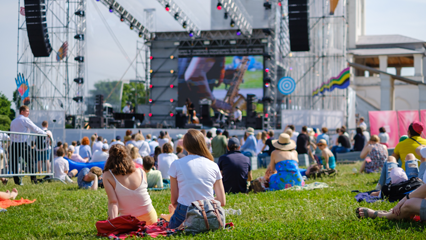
[
  {"x": 204, "y": 215},
  {"x": 396, "y": 192}
]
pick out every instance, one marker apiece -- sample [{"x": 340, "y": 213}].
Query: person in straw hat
[{"x": 285, "y": 162}]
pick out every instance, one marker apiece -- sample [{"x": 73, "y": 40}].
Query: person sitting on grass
[
  {"x": 412, "y": 204},
  {"x": 73, "y": 156},
  {"x": 153, "y": 177},
  {"x": 126, "y": 188},
  {"x": 136, "y": 157},
  {"x": 179, "y": 152},
  {"x": 327, "y": 158},
  {"x": 165, "y": 160},
  {"x": 8, "y": 194},
  {"x": 101, "y": 156},
  {"x": 61, "y": 167},
  {"x": 377, "y": 154},
  {"x": 85, "y": 149},
  {"x": 235, "y": 168},
  {"x": 89, "y": 178}
]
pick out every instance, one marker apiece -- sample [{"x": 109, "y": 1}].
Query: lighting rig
[{"x": 181, "y": 17}]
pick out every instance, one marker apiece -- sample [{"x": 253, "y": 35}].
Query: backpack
[
  {"x": 41, "y": 142},
  {"x": 396, "y": 192},
  {"x": 204, "y": 215}
]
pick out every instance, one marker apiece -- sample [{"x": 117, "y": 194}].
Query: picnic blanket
[
  {"x": 136, "y": 228},
  {"x": 310, "y": 186},
  {"x": 365, "y": 196},
  {"x": 7, "y": 203}
]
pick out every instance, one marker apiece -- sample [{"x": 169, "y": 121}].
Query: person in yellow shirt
[{"x": 410, "y": 144}]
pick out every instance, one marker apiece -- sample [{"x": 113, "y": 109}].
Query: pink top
[
  {"x": 77, "y": 158},
  {"x": 133, "y": 202}
]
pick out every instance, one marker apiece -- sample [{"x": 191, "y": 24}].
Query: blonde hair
[
  {"x": 374, "y": 138},
  {"x": 259, "y": 136},
  {"x": 264, "y": 136},
  {"x": 289, "y": 132},
  {"x": 134, "y": 153},
  {"x": 139, "y": 137},
  {"x": 129, "y": 147}
]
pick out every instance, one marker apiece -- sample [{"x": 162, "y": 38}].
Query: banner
[
  {"x": 341, "y": 82},
  {"x": 23, "y": 88},
  {"x": 388, "y": 120},
  {"x": 405, "y": 118},
  {"x": 62, "y": 52},
  {"x": 312, "y": 118},
  {"x": 423, "y": 120}
]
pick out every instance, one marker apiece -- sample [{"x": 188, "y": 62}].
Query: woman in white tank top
[{"x": 126, "y": 187}]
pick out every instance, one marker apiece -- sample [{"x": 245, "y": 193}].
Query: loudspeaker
[
  {"x": 99, "y": 103},
  {"x": 129, "y": 123},
  {"x": 298, "y": 24},
  {"x": 96, "y": 122},
  {"x": 250, "y": 105},
  {"x": 35, "y": 16}
]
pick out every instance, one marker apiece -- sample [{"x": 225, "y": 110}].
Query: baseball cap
[
  {"x": 118, "y": 138},
  {"x": 105, "y": 147},
  {"x": 154, "y": 137},
  {"x": 219, "y": 131},
  {"x": 233, "y": 142},
  {"x": 418, "y": 127}
]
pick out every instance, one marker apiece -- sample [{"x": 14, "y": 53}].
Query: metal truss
[
  {"x": 239, "y": 15},
  {"x": 133, "y": 23},
  {"x": 181, "y": 17},
  {"x": 210, "y": 35}
]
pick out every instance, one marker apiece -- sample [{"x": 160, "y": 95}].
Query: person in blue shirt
[{"x": 250, "y": 145}]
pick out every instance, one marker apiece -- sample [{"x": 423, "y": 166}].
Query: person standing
[
  {"x": 126, "y": 108},
  {"x": 44, "y": 149},
  {"x": 235, "y": 168},
  {"x": 190, "y": 109},
  {"x": 362, "y": 123},
  {"x": 97, "y": 146},
  {"x": 218, "y": 145},
  {"x": 359, "y": 140},
  {"x": 19, "y": 147}
]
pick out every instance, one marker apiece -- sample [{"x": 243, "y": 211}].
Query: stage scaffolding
[
  {"x": 52, "y": 82},
  {"x": 326, "y": 59}
]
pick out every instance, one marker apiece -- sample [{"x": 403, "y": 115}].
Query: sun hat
[
  {"x": 284, "y": 142},
  {"x": 398, "y": 175},
  {"x": 250, "y": 130}
]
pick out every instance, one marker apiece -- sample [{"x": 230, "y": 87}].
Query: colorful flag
[
  {"x": 22, "y": 11},
  {"x": 23, "y": 88},
  {"x": 62, "y": 52},
  {"x": 342, "y": 81}
]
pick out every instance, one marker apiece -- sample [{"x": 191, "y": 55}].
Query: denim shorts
[{"x": 178, "y": 216}]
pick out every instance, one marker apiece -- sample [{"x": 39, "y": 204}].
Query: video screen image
[{"x": 225, "y": 81}]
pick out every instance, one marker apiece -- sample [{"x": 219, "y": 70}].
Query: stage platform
[{"x": 78, "y": 134}]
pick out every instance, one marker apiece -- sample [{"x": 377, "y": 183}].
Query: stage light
[
  {"x": 172, "y": 57},
  {"x": 266, "y": 69},
  {"x": 232, "y": 42},
  {"x": 267, "y": 5},
  {"x": 150, "y": 85},
  {"x": 150, "y": 71},
  {"x": 279, "y": 3},
  {"x": 225, "y": 16},
  {"x": 171, "y": 100},
  {"x": 206, "y": 42},
  {"x": 191, "y": 33},
  {"x": 151, "y": 57},
  {"x": 171, "y": 86},
  {"x": 238, "y": 32},
  {"x": 140, "y": 34},
  {"x": 176, "y": 16},
  {"x": 111, "y": 9},
  {"x": 264, "y": 40},
  {"x": 79, "y": 37},
  {"x": 219, "y": 6},
  {"x": 184, "y": 25},
  {"x": 171, "y": 114},
  {"x": 78, "y": 99},
  {"x": 131, "y": 27},
  {"x": 176, "y": 43},
  {"x": 79, "y": 13},
  {"x": 266, "y": 115},
  {"x": 150, "y": 114},
  {"x": 266, "y": 84},
  {"x": 150, "y": 100},
  {"x": 79, "y": 80},
  {"x": 167, "y": 7},
  {"x": 172, "y": 71},
  {"x": 122, "y": 18},
  {"x": 232, "y": 24}
]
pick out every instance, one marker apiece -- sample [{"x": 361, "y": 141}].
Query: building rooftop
[
  {"x": 386, "y": 40},
  {"x": 383, "y": 51}
]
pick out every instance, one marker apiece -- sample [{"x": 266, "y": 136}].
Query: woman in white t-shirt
[
  {"x": 142, "y": 145},
  {"x": 193, "y": 178},
  {"x": 165, "y": 160}
]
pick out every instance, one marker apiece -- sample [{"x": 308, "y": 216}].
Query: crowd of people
[{"x": 203, "y": 165}]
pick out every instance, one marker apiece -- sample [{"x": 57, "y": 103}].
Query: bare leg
[
  {"x": 411, "y": 207},
  {"x": 171, "y": 212},
  {"x": 72, "y": 173},
  {"x": 9, "y": 195},
  {"x": 362, "y": 167}
]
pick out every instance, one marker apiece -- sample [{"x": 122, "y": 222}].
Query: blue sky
[{"x": 105, "y": 61}]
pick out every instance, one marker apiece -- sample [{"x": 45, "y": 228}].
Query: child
[
  {"x": 327, "y": 157},
  {"x": 88, "y": 179},
  {"x": 62, "y": 167}
]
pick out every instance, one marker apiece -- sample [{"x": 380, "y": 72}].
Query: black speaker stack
[
  {"x": 38, "y": 37},
  {"x": 98, "y": 121},
  {"x": 251, "y": 119},
  {"x": 298, "y": 24},
  {"x": 205, "y": 118}
]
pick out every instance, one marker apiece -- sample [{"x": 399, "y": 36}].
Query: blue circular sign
[{"x": 286, "y": 85}]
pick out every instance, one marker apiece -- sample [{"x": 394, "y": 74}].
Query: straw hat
[
  {"x": 284, "y": 142},
  {"x": 250, "y": 130}
]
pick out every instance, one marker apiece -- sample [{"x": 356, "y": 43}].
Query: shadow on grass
[{"x": 404, "y": 224}]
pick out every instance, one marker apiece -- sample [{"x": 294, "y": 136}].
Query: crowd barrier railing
[{"x": 25, "y": 154}]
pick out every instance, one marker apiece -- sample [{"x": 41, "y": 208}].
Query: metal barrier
[{"x": 25, "y": 154}]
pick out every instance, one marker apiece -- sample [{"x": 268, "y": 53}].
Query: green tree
[
  {"x": 4, "y": 123},
  {"x": 131, "y": 91},
  {"x": 5, "y": 112}
]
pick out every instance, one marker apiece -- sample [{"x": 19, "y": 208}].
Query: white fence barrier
[{"x": 25, "y": 154}]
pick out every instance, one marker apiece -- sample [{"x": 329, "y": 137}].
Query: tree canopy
[{"x": 6, "y": 114}]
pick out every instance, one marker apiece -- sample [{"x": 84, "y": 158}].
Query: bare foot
[
  {"x": 171, "y": 212},
  {"x": 14, "y": 193}
]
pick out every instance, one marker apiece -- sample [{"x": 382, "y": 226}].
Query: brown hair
[
  {"x": 194, "y": 143},
  {"x": 85, "y": 141},
  {"x": 74, "y": 143},
  {"x": 324, "y": 130},
  {"x": 374, "y": 138},
  {"x": 23, "y": 108},
  {"x": 148, "y": 136},
  {"x": 148, "y": 162},
  {"x": 179, "y": 149},
  {"x": 119, "y": 161},
  {"x": 44, "y": 124},
  {"x": 60, "y": 152},
  {"x": 128, "y": 132},
  {"x": 97, "y": 171},
  {"x": 167, "y": 148}
]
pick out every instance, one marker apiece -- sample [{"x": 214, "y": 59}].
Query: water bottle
[
  {"x": 354, "y": 170},
  {"x": 231, "y": 211}
]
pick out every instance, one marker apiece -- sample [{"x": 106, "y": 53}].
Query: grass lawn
[{"x": 66, "y": 212}]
